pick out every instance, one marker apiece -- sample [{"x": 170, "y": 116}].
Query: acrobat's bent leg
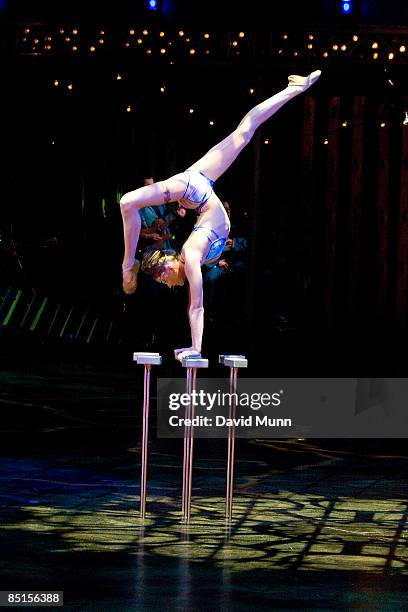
[
  {"x": 130, "y": 204},
  {"x": 218, "y": 159}
]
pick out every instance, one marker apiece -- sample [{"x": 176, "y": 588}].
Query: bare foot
[
  {"x": 130, "y": 278},
  {"x": 303, "y": 83}
]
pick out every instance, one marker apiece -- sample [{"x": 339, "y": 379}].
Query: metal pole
[
  {"x": 191, "y": 441},
  {"x": 191, "y": 364},
  {"x": 187, "y": 448},
  {"x": 231, "y": 445},
  {"x": 233, "y": 362},
  {"x": 145, "y": 439},
  {"x": 146, "y": 359}
]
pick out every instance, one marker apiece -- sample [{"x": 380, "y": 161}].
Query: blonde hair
[{"x": 154, "y": 261}]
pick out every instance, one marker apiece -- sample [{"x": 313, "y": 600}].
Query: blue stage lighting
[
  {"x": 346, "y": 7},
  {"x": 152, "y": 5}
]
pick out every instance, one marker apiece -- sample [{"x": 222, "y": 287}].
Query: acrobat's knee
[
  {"x": 243, "y": 135},
  {"x": 129, "y": 202}
]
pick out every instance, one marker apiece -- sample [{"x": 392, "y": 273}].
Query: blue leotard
[
  {"x": 199, "y": 189},
  {"x": 216, "y": 246}
]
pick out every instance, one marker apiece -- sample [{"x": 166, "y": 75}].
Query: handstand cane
[
  {"x": 146, "y": 359},
  {"x": 233, "y": 362},
  {"x": 191, "y": 364}
]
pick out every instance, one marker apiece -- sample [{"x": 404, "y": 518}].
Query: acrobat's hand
[{"x": 179, "y": 354}]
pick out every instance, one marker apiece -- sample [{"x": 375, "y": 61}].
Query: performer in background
[{"x": 194, "y": 189}]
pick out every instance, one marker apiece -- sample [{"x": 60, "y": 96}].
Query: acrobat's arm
[{"x": 196, "y": 308}]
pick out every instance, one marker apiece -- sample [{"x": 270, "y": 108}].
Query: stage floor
[{"x": 318, "y": 524}]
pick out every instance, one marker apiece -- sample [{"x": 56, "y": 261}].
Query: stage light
[
  {"x": 152, "y": 5},
  {"x": 405, "y": 122},
  {"x": 346, "y": 7}
]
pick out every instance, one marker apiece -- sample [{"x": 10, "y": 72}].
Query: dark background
[
  {"x": 67, "y": 157},
  {"x": 262, "y": 13}
]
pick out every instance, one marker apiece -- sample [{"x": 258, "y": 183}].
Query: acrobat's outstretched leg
[{"x": 218, "y": 159}]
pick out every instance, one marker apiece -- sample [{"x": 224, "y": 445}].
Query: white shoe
[{"x": 294, "y": 80}]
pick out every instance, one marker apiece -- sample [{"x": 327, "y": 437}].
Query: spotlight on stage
[
  {"x": 346, "y": 7},
  {"x": 152, "y": 5},
  {"x": 348, "y": 10},
  {"x": 405, "y": 122}
]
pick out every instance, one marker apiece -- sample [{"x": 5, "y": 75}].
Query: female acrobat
[{"x": 194, "y": 189}]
